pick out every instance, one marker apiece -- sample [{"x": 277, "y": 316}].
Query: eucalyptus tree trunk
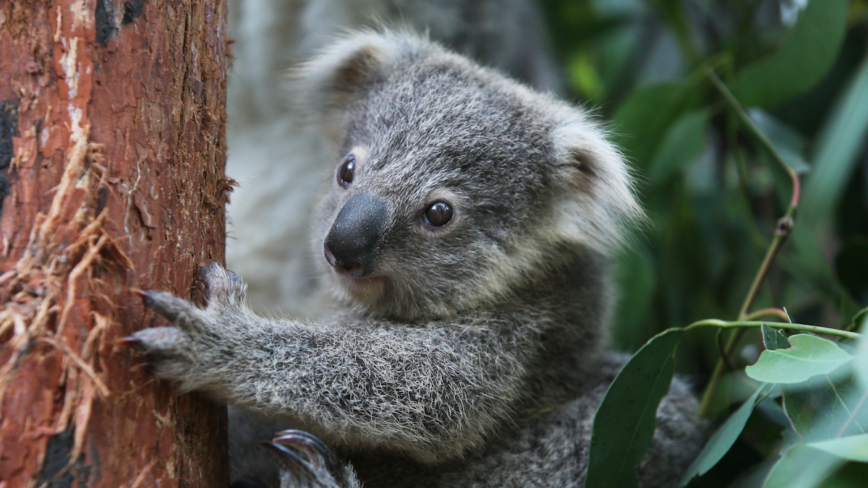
[{"x": 112, "y": 149}]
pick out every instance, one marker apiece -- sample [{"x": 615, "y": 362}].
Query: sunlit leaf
[
  {"x": 627, "y": 417},
  {"x": 809, "y": 356},
  {"x": 803, "y": 60},
  {"x": 853, "y": 448},
  {"x": 774, "y": 339},
  {"x": 801, "y": 467},
  {"x": 722, "y": 440},
  {"x": 819, "y": 408}
]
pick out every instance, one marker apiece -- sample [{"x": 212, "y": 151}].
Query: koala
[{"x": 465, "y": 238}]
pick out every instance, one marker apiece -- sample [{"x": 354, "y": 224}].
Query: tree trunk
[{"x": 112, "y": 118}]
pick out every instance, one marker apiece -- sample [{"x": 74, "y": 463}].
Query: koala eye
[
  {"x": 346, "y": 171},
  {"x": 438, "y": 214}
]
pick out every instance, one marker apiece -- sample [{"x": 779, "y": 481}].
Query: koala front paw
[
  {"x": 307, "y": 463},
  {"x": 184, "y": 351}
]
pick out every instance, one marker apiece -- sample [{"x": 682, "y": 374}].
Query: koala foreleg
[{"x": 432, "y": 391}]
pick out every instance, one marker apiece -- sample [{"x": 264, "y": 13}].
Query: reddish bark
[{"x": 112, "y": 148}]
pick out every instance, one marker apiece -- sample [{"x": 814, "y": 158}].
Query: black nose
[{"x": 353, "y": 238}]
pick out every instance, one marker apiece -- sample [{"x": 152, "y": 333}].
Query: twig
[
  {"x": 767, "y": 312},
  {"x": 782, "y": 232}
]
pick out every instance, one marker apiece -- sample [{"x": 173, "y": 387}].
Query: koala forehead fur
[{"x": 527, "y": 176}]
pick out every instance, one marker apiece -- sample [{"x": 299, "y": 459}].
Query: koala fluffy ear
[
  {"x": 327, "y": 84},
  {"x": 597, "y": 205}
]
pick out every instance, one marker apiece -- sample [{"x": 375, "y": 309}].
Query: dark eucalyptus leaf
[
  {"x": 625, "y": 422},
  {"x": 774, "y": 339}
]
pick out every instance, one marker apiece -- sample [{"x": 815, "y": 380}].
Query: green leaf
[
  {"x": 685, "y": 141},
  {"x": 786, "y": 140},
  {"x": 801, "y": 467},
  {"x": 837, "y": 151},
  {"x": 642, "y": 120},
  {"x": 819, "y": 408},
  {"x": 627, "y": 417},
  {"x": 853, "y": 448},
  {"x": 636, "y": 277},
  {"x": 774, "y": 339},
  {"x": 722, "y": 440},
  {"x": 809, "y": 356},
  {"x": 801, "y": 62},
  {"x": 860, "y": 321}
]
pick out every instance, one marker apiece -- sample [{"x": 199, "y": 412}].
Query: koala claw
[
  {"x": 307, "y": 462},
  {"x": 146, "y": 366},
  {"x": 291, "y": 461},
  {"x": 167, "y": 305},
  {"x": 310, "y": 447},
  {"x": 131, "y": 341}
]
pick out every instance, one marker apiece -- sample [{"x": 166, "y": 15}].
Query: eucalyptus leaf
[
  {"x": 860, "y": 321},
  {"x": 722, "y": 440},
  {"x": 790, "y": 472},
  {"x": 643, "y": 119},
  {"x": 774, "y": 339},
  {"x": 685, "y": 141},
  {"x": 636, "y": 276},
  {"x": 805, "y": 57},
  {"x": 852, "y": 448},
  {"x": 837, "y": 151},
  {"x": 625, "y": 422},
  {"x": 820, "y": 408},
  {"x": 809, "y": 356},
  {"x": 786, "y": 140}
]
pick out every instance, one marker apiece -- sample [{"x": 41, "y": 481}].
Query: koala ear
[
  {"x": 330, "y": 82},
  {"x": 596, "y": 205}
]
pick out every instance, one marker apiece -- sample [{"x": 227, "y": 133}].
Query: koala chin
[{"x": 465, "y": 235}]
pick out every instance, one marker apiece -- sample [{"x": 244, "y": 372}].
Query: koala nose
[{"x": 351, "y": 242}]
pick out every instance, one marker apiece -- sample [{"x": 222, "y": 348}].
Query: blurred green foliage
[{"x": 714, "y": 195}]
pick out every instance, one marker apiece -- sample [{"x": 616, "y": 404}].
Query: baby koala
[{"x": 466, "y": 234}]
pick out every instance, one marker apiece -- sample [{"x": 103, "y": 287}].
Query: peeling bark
[{"x": 112, "y": 149}]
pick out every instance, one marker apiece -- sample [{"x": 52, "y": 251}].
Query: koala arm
[{"x": 431, "y": 391}]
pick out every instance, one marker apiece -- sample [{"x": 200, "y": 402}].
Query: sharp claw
[
  {"x": 146, "y": 366},
  {"x": 288, "y": 435},
  {"x": 146, "y": 296},
  {"x": 289, "y": 459},
  {"x": 131, "y": 341},
  {"x": 308, "y": 445}
]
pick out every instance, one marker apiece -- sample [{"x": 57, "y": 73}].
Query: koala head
[{"x": 453, "y": 186}]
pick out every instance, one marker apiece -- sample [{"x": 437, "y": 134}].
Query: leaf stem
[
  {"x": 753, "y": 324},
  {"x": 768, "y": 312}
]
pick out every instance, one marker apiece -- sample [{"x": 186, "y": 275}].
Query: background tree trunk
[{"x": 112, "y": 118}]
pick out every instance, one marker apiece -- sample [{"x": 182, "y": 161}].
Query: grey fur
[{"x": 471, "y": 354}]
